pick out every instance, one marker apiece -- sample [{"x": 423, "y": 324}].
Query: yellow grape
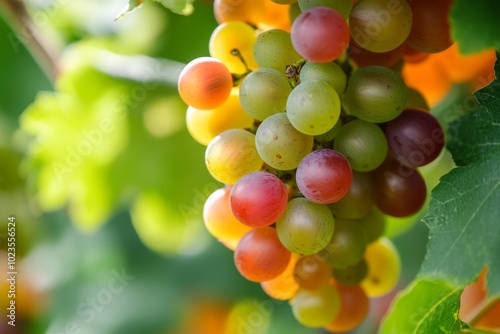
[
  {"x": 220, "y": 221},
  {"x": 284, "y": 286},
  {"x": 233, "y": 35},
  {"x": 205, "y": 83},
  {"x": 384, "y": 268},
  {"x": 205, "y": 125},
  {"x": 316, "y": 308},
  {"x": 231, "y": 155}
]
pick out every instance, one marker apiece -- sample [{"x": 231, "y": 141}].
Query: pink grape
[
  {"x": 320, "y": 34},
  {"x": 324, "y": 176},
  {"x": 258, "y": 199}
]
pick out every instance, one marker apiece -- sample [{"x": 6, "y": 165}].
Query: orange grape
[
  {"x": 220, "y": 221},
  {"x": 239, "y": 10},
  {"x": 284, "y": 286},
  {"x": 311, "y": 272},
  {"x": 205, "y": 83},
  {"x": 354, "y": 308},
  {"x": 260, "y": 256}
]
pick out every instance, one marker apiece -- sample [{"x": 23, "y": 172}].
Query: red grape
[
  {"x": 324, "y": 176},
  {"x": 415, "y": 138},
  {"x": 258, "y": 199},
  {"x": 260, "y": 256},
  {"x": 320, "y": 34}
]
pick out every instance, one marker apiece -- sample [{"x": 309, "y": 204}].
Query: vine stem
[{"x": 16, "y": 15}]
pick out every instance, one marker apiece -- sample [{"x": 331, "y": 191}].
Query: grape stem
[
  {"x": 27, "y": 33},
  {"x": 238, "y": 77},
  {"x": 292, "y": 72}
]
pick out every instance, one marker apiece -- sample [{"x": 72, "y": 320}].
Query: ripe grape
[
  {"x": 260, "y": 256},
  {"x": 331, "y": 73},
  {"x": 430, "y": 31},
  {"x": 363, "y": 57},
  {"x": 342, "y": 6},
  {"x": 273, "y": 48},
  {"x": 231, "y": 155},
  {"x": 313, "y": 107},
  {"x": 205, "y": 83},
  {"x": 354, "y": 308},
  {"x": 239, "y": 10},
  {"x": 375, "y": 94},
  {"x": 280, "y": 145},
  {"x": 258, "y": 199},
  {"x": 220, "y": 221},
  {"x": 316, "y": 308},
  {"x": 380, "y": 25},
  {"x": 324, "y": 176},
  {"x": 363, "y": 144},
  {"x": 284, "y": 286},
  {"x": 384, "y": 268},
  {"x": 312, "y": 273},
  {"x": 415, "y": 138},
  {"x": 264, "y": 93},
  {"x": 229, "y": 36},
  {"x": 305, "y": 227},
  {"x": 401, "y": 190},
  {"x": 320, "y": 34},
  {"x": 205, "y": 125}
]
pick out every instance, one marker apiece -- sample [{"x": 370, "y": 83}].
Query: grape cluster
[{"x": 316, "y": 138}]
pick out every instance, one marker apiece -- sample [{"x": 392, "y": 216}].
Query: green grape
[
  {"x": 342, "y": 6},
  {"x": 316, "y": 308},
  {"x": 264, "y": 92},
  {"x": 280, "y": 145},
  {"x": 351, "y": 275},
  {"x": 328, "y": 72},
  {"x": 359, "y": 200},
  {"x": 380, "y": 25},
  {"x": 347, "y": 246},
  {"x": 273, "y": 48},
  {"x": 294, "y": 11},
  {"x": 305, "y": 227},
  {"x": 330, "y": 134},
  {"x": 231, "y": 155},
  {"x": 375, "y": 94},
  {"x": 373, "y": 224},
  {"x": 363, "y": 144},
  {"x": 313, "y": 107},
  {"x": 416, "y": 100}
]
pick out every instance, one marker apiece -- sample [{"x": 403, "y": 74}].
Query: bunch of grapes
[{"x": 317, "y": 139}]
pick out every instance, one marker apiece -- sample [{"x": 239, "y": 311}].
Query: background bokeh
[{"x": 108, "y": 187}]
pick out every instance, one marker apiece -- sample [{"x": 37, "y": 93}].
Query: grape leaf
[
  {"x": 425, "y": 307},
  {"x": 464, "y": 209},
  {"x": 475, "y": 25},
  {"x": 466, "y": 145}
]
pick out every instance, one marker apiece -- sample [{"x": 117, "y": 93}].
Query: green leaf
[
  {"x": 131, "y": 6},
  {"x": 183, "y": 7},
  {"x": 477, "y": 134},
  {"x": 425, "y": 307},
  {"x": 464, "y": 209},
  {"x": 475, "y": 25}
]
